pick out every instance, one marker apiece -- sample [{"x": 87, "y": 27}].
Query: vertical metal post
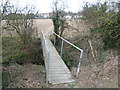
[
  {"x": 78, "y": 69},
  {"x": 46, "y": 77},
  {"x": 61, "y": 48},
  {"x": 46, "y": 69},
  {"x": 54, "y": 40},
  {"x": 81, "y": 54},
  {"x": 48, "y": 61}
]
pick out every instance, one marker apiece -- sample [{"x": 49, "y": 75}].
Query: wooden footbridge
[{"x": 56, "y": 70}]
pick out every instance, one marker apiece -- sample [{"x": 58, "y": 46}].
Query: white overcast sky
[{"x": 44, "y": 6}]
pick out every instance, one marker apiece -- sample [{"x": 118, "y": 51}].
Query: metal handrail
[
  {"x": 48, "y": 59},
  {"x": 81, "y": 51}
]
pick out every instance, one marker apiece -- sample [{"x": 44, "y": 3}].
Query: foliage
[
  {"x": 5, "y": 61},
  {"x": 68, "y": 62},
  {"x": 111, "y": 33},
  {"x": 105, "y": 20}
]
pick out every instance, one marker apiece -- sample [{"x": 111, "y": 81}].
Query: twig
[{"x": 93, "y": 54}]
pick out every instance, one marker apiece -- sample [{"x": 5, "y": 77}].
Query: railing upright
[
  {"x": 81, "y": 51},
  {"x": 61, "y": 48}
]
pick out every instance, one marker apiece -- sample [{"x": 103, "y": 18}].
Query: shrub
[
  {"x": 105, "y": 20},
  {"x": 111, "y": 33}
]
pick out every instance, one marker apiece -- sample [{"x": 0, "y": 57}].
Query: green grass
[
  {"x": 10, "y": 45},
  {"x": 5, "y": 61},
  {"x": 21, "y": 55},
  {"x": 15, "y": 52},
  {"x": 5, "y": 79},
  {"x": 101, "y": 57},
  {"x": 67, "y": 60},
  {"x": 12, "y": 50}
]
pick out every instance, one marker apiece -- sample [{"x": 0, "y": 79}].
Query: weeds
[
  {"x": 5, "y": 61},
  {"x": 15, "y": 52},
  {"x": 101, "y": 57},
  {"x": 5, "y": 79}
]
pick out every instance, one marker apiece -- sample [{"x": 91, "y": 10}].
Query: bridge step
[{"x": 61, "y": 81}]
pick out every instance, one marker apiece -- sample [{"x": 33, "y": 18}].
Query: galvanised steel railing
[
  {"x": 47, "y": 54},
  {"x": 64, "y": 40}
]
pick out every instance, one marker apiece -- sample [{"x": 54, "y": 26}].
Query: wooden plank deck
[{"x": 58, "y": 71}]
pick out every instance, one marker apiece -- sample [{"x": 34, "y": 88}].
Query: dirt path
[{"x": 45, "y": 25}]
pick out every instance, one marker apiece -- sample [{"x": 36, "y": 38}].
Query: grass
[
  {"x": 11, "y": 48},
  {"x": 14, "y": 51},
  {"x": 101, "y": 57},
  {"x": 5, "y": 79},
  {"x": 11, "y": 51},
  {"x": 68, "y": 59},
  {"x": 5, "y": 61}
]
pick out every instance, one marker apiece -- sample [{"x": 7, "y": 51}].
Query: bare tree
[
  {"x": 5, "y": 9},
  {"x": 20, "y": 20}
]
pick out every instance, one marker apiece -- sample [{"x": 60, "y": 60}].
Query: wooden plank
[
  {"x": 61, "y": 81},
  {"x": 55, "y": 72},
  {"x": 56, "y": 75}
]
